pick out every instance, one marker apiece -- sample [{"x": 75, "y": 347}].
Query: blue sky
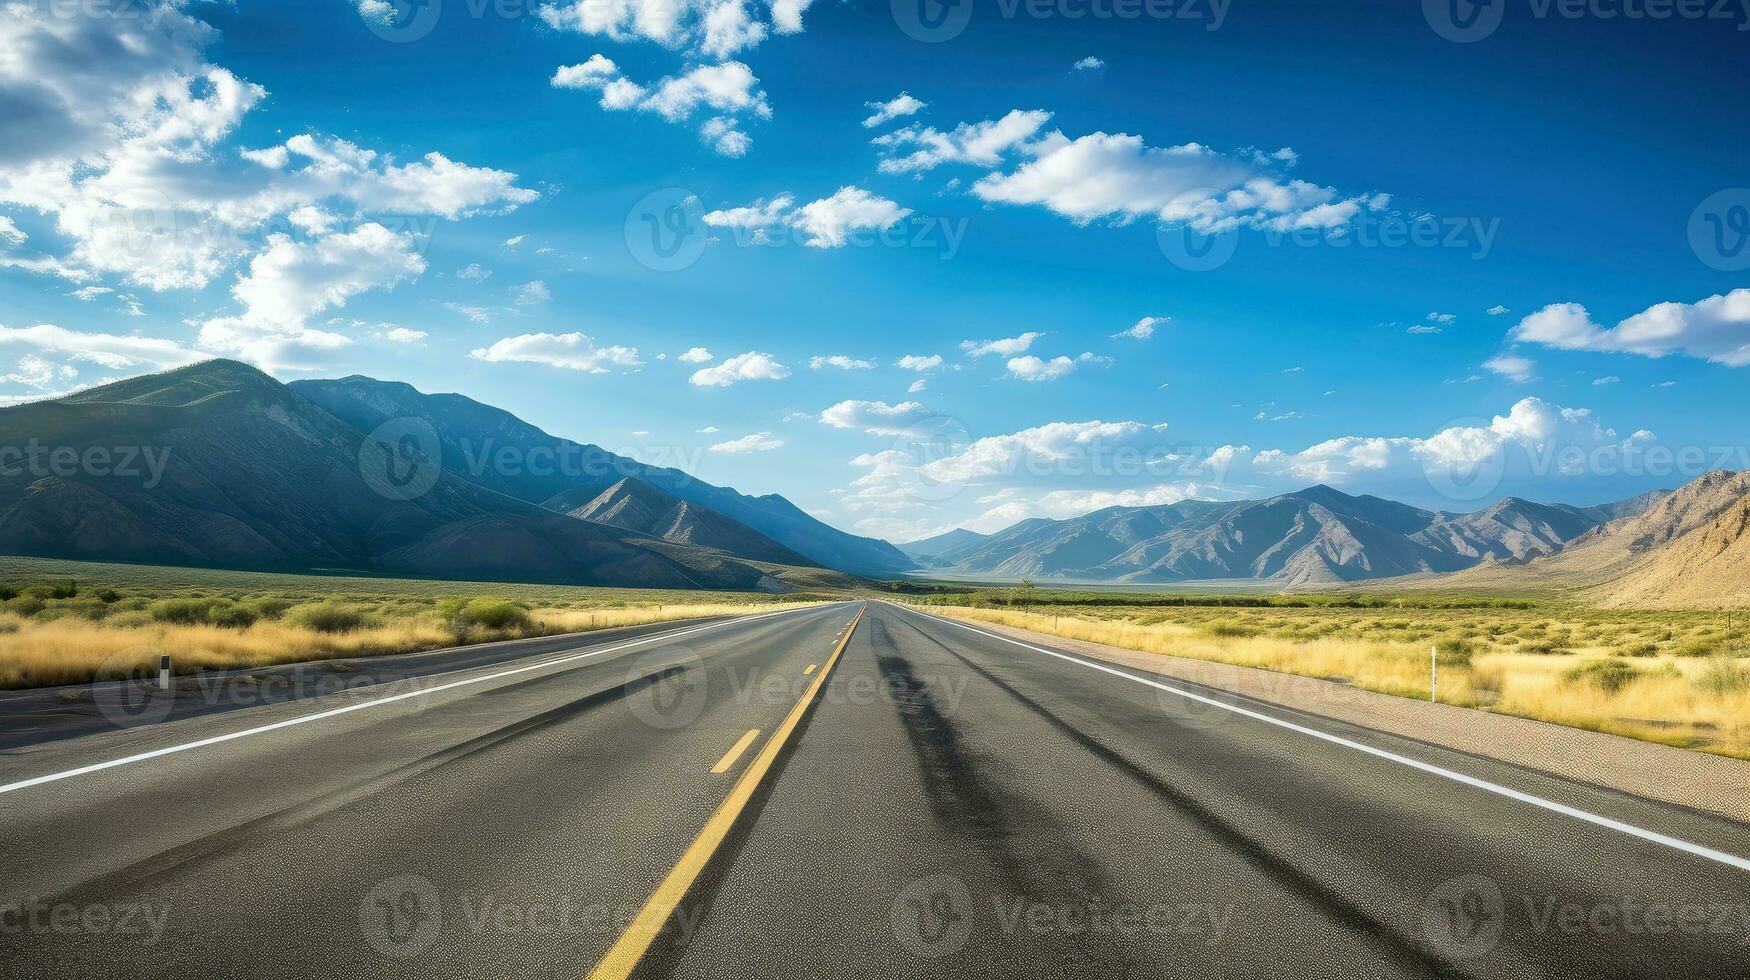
[{"x": 256, "y": 180}]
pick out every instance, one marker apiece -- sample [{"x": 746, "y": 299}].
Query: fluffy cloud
[
  {"x": 1032, "y": 368},
  {"x": 825, "y": 223},
  {"x": 717, "y": 28},
  {"x": 531, "y": 293},
  {"x": 115, "y": 124},
  {"x": 919, "y": 362},
  {"x": 1006, "y": 347},
  {"x": 292, "y": 281},
  {"x": 841, "y": 362},
  {"x": 1089, "y": 63},
  {"x": 1511, "y": 366},
  {"x": 886, "y": 112},
  {"x": 1143, "y": 329},
  {"x": 980, "y": 143},
  {"x": 573, "y": 351},
  {"x": 1056, "y": 450},
  {"x": 1716, "y": 328},
  {"x": 695, "y": 355},
  {"x": 474, "y": 272},
  {"x": 758, "y": 442},
  {"x": 752, "y": 366},
  {"x": 729, "y": 90},
  {"x": 877, "y": 418},
  {"x": 402, "y": 335}
]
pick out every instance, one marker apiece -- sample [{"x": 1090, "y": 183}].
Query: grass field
[
  {"x": 1680, "y": 678},
  {"x": 72, "y": 622}
]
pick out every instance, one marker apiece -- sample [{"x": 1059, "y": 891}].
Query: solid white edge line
[
  {"x": 391, "y": 699},
  {"x": 1654, "y": 836}
]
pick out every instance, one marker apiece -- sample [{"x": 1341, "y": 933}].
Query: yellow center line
[
  {"x": 736, "y": 750},
  {"x": 635, "y": 941},
  {"x": 810, "y": 669}
]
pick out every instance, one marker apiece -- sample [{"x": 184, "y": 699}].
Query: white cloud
[
  {"x": 877, "y": 418},
  {"x": 752, "y": 366},
  {"x": 477, "y": 314},
  {"x": 402, "y": 335},
  {"x": 1006, "y": 347},
  {"x": 916, "y": 386},
  {"x": 919, "y": 362},
  {"x": 1441, "y": 318},
  {"x": 886, "y": 112},
  {"x": 1089, "y": 63},
  {"x": 1511, "y": 366},
  {"x": 90, "y": 294},
  {"x": 1061, "y": 449},
  {"x": 758, "y": 442},
  {"x": 292, "y": 281},
  {"x": 709, "y": 430},
  {"x": 716, "y": 28},
  {"x": 572, "y": 351},
  {"x": 1143, "y": 329},
  {"x": 826, "y": 223},
  {"x": 114, "y": 351},
  {"x": 695, "y": 355},
  {"x": 532, "y": 293},
  {"x": 841, "y": 362},
  {"x": 1032, "y": 368},
  {"x": 117, "y": 125},
  {"x": 1119, "y": 178},
  {"x": 1608, "y": 379},
  {"x": 729, "y": 90},
  {"x": 1423, "y": 328},
  {"x": 1497, "y": 310},
  {"x": 1716, "y": 328},
  {"x": 980, "y": 143},
  {"x": 9, "y": 233},
  {"x": 474, "y": 271}
]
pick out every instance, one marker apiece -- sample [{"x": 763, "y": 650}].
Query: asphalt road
[{"x": 921, "y": 800}]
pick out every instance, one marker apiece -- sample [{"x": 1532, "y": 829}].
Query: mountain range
[
  {"x": 1307, "y": 538},
  {"x": 220, "y": 465}
]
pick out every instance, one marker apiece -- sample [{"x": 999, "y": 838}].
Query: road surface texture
[{"x": 767, "y": 797}]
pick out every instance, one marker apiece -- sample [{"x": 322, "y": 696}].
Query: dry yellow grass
[
  {"x": 70, "y": 651},
  {"x": 1665, "y": 699}
]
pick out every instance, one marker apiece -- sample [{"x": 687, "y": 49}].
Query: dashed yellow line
[
  {"x": 736, "y": 750},
  {"x": 810, "y": 670},
  {"x": 635, "y": 941}
]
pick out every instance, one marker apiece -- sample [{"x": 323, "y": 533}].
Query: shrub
[
  {"x": 497, "y": 614},
  {"x": 183, "y": 612},
  {"x": 232, "y": 615},
  {"x": 1609, "y": 675},
  {"x": 8, "y": 625},
  {"x": 271, "y": 608},
  {"x": 8, "y": 592},
  {"x": 1696, "y": 648},
  {"x": 26, "y": 606},
  {"x": 1453, "y": 653},
  {"x": 1229, "y": 629},
  {"x": 129, "y": 619},
  {"x": 327, "y": 617},
  {"x": 1641, "y": 650},
  {"x": 1724, "y": 675},
  {"x": 108, "y": 596}
]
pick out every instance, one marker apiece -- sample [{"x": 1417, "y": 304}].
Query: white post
[
  {"x": 164, "y": 672},
  {"x": 1433, "y": 673}
]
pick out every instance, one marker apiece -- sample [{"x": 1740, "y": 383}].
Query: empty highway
[{"x": 849, "y": 790}]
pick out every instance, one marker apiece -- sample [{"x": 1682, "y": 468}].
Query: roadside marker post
[
  {"x": 164, "y": 672},
  {"x": 1434, "y": 673}
]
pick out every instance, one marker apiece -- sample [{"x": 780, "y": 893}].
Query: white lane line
[
  {"x": 390, "y": 699},
  {"x": 1630, "y": 829}
]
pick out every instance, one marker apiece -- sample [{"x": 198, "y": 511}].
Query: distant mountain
[
  {"x": 638, "y": 506},
  {"x": 494, "y": 448},
  {"x": 1688, "y": 549},
  {"x": 941, "y": 543},
  {"x": 220, "y": 465},
  {"x": 1314, "y": 536}
]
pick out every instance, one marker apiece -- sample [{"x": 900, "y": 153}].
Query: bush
[
  {"x": 1697, "y": 648},
  {"x": 1641, "y": 650},
  {"x": 271, "y": 608},
  {"x": 8, "y": 592},
  {"x": 1724, "y": 675},
  {"x": 1453, "y": 653},
  {"x": 8, "y": 625},
  {"x": 497, "y": 614},
  {"x": 327, "y": 617},
  {"x": 183, "y": 612},
  {"x": 108, "y": 596},
  {"x": 1609, "y": 675},
  {"x": 129, "y": 619},
  {"x": 232, "y": 615},
  {"x": 26, "y": 606}
]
